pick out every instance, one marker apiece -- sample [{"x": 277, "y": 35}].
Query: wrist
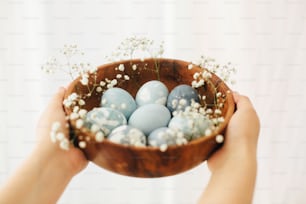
[
  {"x": 53, "y": 159},
  {"x": 239, "y": 158}
]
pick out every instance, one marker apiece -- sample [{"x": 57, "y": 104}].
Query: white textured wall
[{"x": 266, "y": 39}]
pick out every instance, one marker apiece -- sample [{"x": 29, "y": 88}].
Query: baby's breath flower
[
  {"x": 99, "y": 136},
  {"x": 99, "y": 89},
  {"x": 81, "y": 102},
  {"x": 219, "y": 138},
  {"x": 79, "y": 123},
  {"x": 51, "y": 66},
  {"x": 134, "y": 67},
  {"x": 126, "y": 77},
  {"x": 102, "y": 83},
  {"x": 223, "y": 71},
  {"x": 121, "y": 67},
  {"x": 64, "y": 144},
  {"x": 82, "y": 144},
  {"x": 57, "y": 136},
  {"x": 82, "y": 113},
  {"x": 144, "y": 47},
  {"x": 84, "y": 80}
]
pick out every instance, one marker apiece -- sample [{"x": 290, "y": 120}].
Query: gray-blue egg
[
  {"x": 127, "y": 135},
  {"x": 152, "y": 92},
  {"x": 165, "y": 135},
  {"x": 119, "y": 99},
  {"x": 193, "y": 125},
  {"x": 106, "y": 119},
  {"x": 181, "y": 96},
  {"x": 160, "y": 136},
  {"x": 150, "y": 117}
]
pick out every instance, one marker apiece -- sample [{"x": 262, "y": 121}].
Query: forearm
[
  {"x": 39, "y": 180},
  {"x": 233, "y": 182}
]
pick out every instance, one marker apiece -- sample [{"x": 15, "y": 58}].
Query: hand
[
  {"x": 240, "y": 137},
  {"x": 48, "y": 169},
  {"x": 234, "y": 165},
  {"x": 73, "y": 160}
]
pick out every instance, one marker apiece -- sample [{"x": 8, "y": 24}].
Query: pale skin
[{"x": 43, "y": 177}]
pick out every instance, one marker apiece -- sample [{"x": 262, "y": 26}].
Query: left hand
[{"x": 73, "y": 160}]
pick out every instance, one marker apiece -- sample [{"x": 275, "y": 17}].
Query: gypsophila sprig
[
  {"x": 223, "y": 71},
  {"x": 68, "y": 60},
  {"x": 140, "y": 46}
]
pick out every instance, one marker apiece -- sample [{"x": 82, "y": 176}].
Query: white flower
[
  {"x": 94, "y": 128},
  {"x": 99, "y": 89},
  {"x": 56, "y": 126},
  {"x": 84, "y": 80},
  {"x": 114, "y": 82},
  {"x": 64, "y": 144},
  {"x": 99, "y": 136},
  {"x": 50, "y": 66},
  {"x": 79, "y": 123},
  {"x": 60, "y": 136},
  {"x": 163, "y": 147},
  {"x": 53, "y": 136},
  {"x": 121, "y": 67},
  {"x": 82, "y": 144},
  {"x": 219, "y": 138},
  {"x": 82, "y": 113},
  {"x": 74, "y": 116},
  {"x": 134, "y": 67},
  {"x": 102, "y": 83},
  {"x": 81, "y": 102}
]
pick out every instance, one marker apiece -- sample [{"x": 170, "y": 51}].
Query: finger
[{"x": 242, "y": 101}]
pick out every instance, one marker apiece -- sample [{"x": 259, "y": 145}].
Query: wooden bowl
[{"x": 150, "y": 161}]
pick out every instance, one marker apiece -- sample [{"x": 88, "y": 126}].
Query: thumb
[{"x": 242, "y": 102}]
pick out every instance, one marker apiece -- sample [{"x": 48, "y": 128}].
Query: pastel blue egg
[
  {"x": 105, "y": 118},
  {"x": 150, "y": 117},
  {"x": 166, "y": 136},
  {"x": 181, "y": 96},
  {"x": 152, "y": 92},
  {"x": 127, "y": 135},
  {"x": 120, "y": 100},
  {"x": 193, "y": 125}
]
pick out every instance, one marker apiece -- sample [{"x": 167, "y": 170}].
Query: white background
[{"x": 265, "y": 39}]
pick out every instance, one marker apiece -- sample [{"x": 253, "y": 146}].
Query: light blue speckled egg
[
  {"x": 150, "y": 117},
  {"x": 166, "y": 136},
  {"x": 106, "y": 119},
  {"x": 120, "y": 100},
  {"x": 193, "y": 125},
  {"x": 152, "y": 92},
  {"x": 127, "y": 135},
  {"x": 181, "y": 96}
]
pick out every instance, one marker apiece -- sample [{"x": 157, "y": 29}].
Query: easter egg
[
  {"x": 105, "y": 119},
  {"x": 193, "y": 125},
  {"x": 120, "y": 100},
  {"x": 127, "y": 135},
  {"x": 152, "y": 92},
  {"x": 166, "y": 136},
  {"x": 150, "y": 117},
  {"x": 181, "y": 96}
]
